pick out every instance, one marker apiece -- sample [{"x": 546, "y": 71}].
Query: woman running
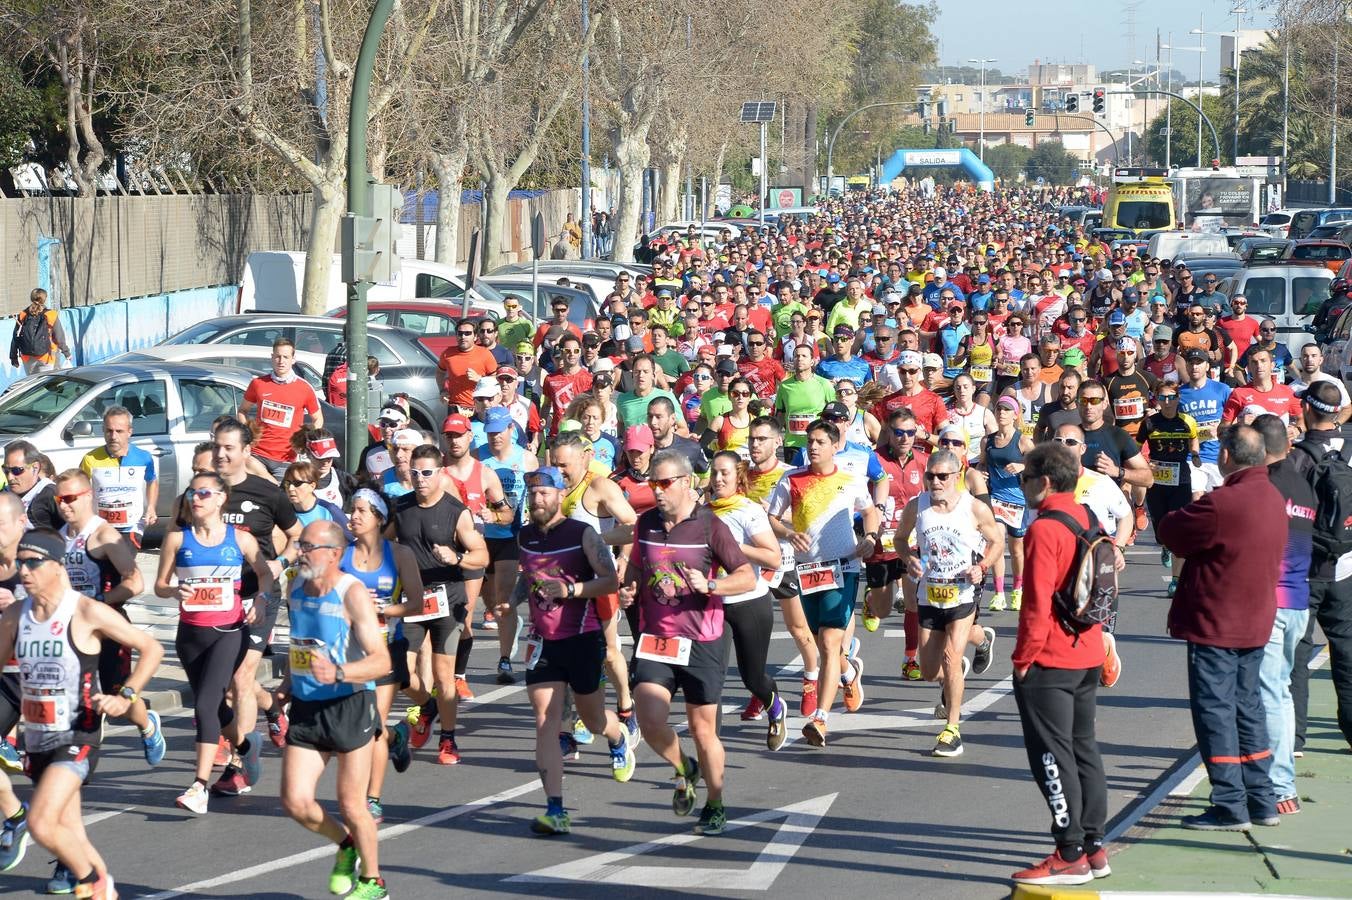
[
  {"x": 749, "y": 616},
  {"x": 731, "y": 429},
  {"x": 201, "y": 565},
  {"x": 863, "y": 427},
  {"x": 1002, "y": 460}
]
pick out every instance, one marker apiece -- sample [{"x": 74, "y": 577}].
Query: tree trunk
[
  {"x": 450, "y": 169},
  {"x": 495, "y": 237},
  {"x": 718, "y": 177},
  {"x": 810, "y": 151},
  {"x": 669, "y": 211},
  {"x": 631, "y": 158},
  {"x": 330, "y": 204}
]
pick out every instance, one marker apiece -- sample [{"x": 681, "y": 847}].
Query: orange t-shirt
[{"x": 456, "y": 364}]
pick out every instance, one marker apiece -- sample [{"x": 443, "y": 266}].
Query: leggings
[
  {"x": 210, "y": 657},
  {"x": 751, "y": 622}
]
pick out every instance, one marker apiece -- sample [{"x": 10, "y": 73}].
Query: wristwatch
[
  {"x": 130, "y": 695},
  {"x": 339, "y": 676}
]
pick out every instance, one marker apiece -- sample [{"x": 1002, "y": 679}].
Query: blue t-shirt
[
  {"x": 854, "y": 369},
  {"x": 950, "y": 339},
  {"x": 1204, "y": 404},
  {"x": 981, "y": 300}
]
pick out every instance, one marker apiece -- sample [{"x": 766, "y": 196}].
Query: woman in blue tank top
[{"x": 1002, "y": 459}]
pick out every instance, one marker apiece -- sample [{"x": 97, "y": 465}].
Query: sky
[{"x": 1045, "y": 30}]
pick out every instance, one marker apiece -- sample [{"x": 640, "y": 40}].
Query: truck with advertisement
[{"x": 1212, "y": 199}]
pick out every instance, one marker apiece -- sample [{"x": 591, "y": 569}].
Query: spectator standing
[
  {"x": 1056, "y": 678},
  {"x": 38, "y": 336},
  {"x": 1232, "y": 540}
]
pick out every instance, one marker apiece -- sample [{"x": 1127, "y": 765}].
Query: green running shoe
[{"x": 344, "y": 867}]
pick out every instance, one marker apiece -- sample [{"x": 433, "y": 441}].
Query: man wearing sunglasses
[
  {"x": 101, "y": 563},
  {"x": 957, "y": 541},
  {"x": 1265, "y": 338},
  {"x": 568, "y": 381},
  {"x": 1204, "y": 399},
  {"x": 337, "y": 653},
  {"x": 55, "y": 633},
  {"x": 463, "y": 364},
  {"x": 513, "y": 327},
  {"x": 1110, "y": 450},
  {"x": 24, "y": 479}
]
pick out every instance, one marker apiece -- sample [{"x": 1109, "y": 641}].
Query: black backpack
[
  {"x": 1331, "y": 479},
  {"x": 1089, "y": 595},
  {"x": 35, "y": 335}
]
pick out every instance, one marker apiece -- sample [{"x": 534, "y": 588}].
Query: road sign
[{"x": 537, "y": 235}]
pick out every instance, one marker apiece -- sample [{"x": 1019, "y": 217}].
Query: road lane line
[{"x": 92, "y": 818}]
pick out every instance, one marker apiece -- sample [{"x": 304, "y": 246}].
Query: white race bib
[
  {"x": 531, "y": 650},
  {"x": 1129, "y": 407},
  {"x": 270, "y": 412},
  {"x": 1166, "y": 473},
  {"x": 209, "y": 595},
  {"x": 674, "y": 651},
  {"x": 1010, "y": 514},
  {"x": 435, "y": 605},
  {"x": 814, "y": 578},
  {"x": 45, "y": 708},
  {"x": 981, "y": 374},
  {"x": 798, "y": 424}
]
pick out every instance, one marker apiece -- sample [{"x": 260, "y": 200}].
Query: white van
[
  {"x": 273, "y": 280},
  {"x": 1168, "y": 244}
]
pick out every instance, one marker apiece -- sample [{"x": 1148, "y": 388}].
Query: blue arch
[{"x": 918, "y": 159}]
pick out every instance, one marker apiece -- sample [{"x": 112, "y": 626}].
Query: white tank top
[
  {"x": 974, "y": 423},
  {"x": 856, "y": 431},
  {"x": 949, "y": 543},
  {"x": 83, "y": 569},
  {"x": 56, "y": 680}
]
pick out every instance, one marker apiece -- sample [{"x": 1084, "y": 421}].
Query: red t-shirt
[
  {"x": 1280, "y": 401},
  {"x": 926, "y": 406},
  {"x": 764, "y": 376},
  {"x": 905, "y": 482},
  {"x": 281, "y": 412},
  {"x": 1242, "y": 331},
  {"x": 561, "y": 389}
]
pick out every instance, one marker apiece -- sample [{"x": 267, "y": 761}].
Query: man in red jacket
[
  {"x": 1056, "y": 678},
  {"x": 1232, "y": 540}
]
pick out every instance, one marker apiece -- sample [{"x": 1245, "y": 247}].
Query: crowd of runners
[{"x": 821, "y": 425}]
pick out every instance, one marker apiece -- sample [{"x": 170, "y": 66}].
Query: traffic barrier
[{"x": 100, "y": 332}]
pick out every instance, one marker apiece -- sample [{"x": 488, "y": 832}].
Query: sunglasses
[
  {"x": 1068, "y": 441},
  {"x": 951, "y": 442},
  {"x": 905, "y": 432},
  {"x": 740, "y": 394},
  {"x": 294, "y": 482},
  {"x": 203, "y": 493},
  {"x": 520, "y": 358},
  {"x": 31, "y": 562},
  {"x": 939, "y": 476},
  {"x": 423, "y": 473},
  {"x": 16, "y": 471},
  {"x": 488, "y": 331},
  {"x": 663, "y": 484},
  {"x": 703, "y": 377},
  {"x": 68, "y": 499},
  {"x": 464, "y": 334},
  {"x": 1093, "y": 401},
  {"x": 1167, "y": 398},
  {"x": 307, "y": 547}
]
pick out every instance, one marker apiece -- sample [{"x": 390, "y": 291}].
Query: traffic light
[
  {"x": 925, "y": 126},
  {"x": 1073, "y": 103},
  {"x": 943, "y": 109},
  {"x": 1098, "y": 101},
  {"x": 924, "y": 109},
  {"x": 370, "y": 243},
  {"x": 1028, "y": 116}
]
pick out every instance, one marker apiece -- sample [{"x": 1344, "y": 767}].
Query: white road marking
[
  {"x": 103, "y": 816},
  {"x": 386, "y": 834},
  {"x": 799, "y": 820}
]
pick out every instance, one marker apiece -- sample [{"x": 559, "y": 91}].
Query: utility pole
[
  {"x": 1239, "y": 11},
  {"x": 981, "y": 110},
  {"x": 359, "y": 204},
  {"x": 1200, "y": 58},
  {"x": 1286, "y": 106},
  {"x": 1333, "y": 144},
  {"x": 586, "y": 222}
]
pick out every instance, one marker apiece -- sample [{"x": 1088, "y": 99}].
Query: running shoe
[
  {"x": 910, "y": 669},
  {"x": 1289, "y": 806},
  {"x": 1055, "y": 870},
  {"x": 448, "y": 754},
  {"x": 13, "y": 842},
  {"x": 278, "y": 727},
  {"x": 102, "y": 889},
  {"x": 981, "y": 659},
  {"x": 552, "y": 823},
  {"x": 490, "y": 621},
  {"x": 420, "y": 726},
  {"x": 630, "y": 723},
  {"x": 814, "y": 732},
  {"x": 712, "y": 820},
  {"x": 505, "y": 673},
  {"x": 252, "y": 762},
  {"x": 1173, "y": 586},
  {"x": 754, "y": 710},
  {"x": 369, "y": 889},
  {"x": 1214, "y": 819},
  {"x": 777, "y": 733},
  {"x": 1141, "y": 521},
  {"x": 1112, "y": 663},
  {"x": 567, "y": 746},
  {"x": 949, "y": 742},
  {"x": 853, "y": 650},
  {"x": 683, "y": 797},
  {"x": 1098, "y": 862},
  {"x": 62, "y": 881},
  {"x": 1166, "y": 557},
  {"x": 1271, "y": 821},
  {"x": 853, "y": 693},
  {"x": 462, "y": 689},
  {"x": 401, "y": 752},
  {"x": 997, "y": 603},
  {"x": 580, "y": 732},
  {"x": 344, "y": 867},
  {"x": 222, "y": 753},
  {"x": 10, "y": 760},
  {"x": 808, "y": 704},
  {"x": 375, "y": 809},
  {"x": 194, "y": 799},
  {"x": 232, "y": 783},
  {"x": 622, "y": 760},
  {"x": 1016, "y": 599},
  {"x": 871, "y": 623}
]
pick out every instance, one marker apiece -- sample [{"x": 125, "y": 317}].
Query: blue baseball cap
[
  {"x": 1117, "y": 318},
  {"x": 498, "y": 419},
  {"x": 545, "y": 476}
]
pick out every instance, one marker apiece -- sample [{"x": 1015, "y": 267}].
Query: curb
[
  {"x": 1052, "y": 892},
  {"x": 181, "y": 697}
]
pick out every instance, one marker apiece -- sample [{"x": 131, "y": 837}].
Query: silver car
[{"x": 172, "y": 405}]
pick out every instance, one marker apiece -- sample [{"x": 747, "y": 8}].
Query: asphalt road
[{"x": 875, "y": 805}]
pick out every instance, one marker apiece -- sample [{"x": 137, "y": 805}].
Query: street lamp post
[
  {"x": 1169, "y": 109},
  {"x": 981, "y": 110},
  {"x": 1238, "y": 13}
]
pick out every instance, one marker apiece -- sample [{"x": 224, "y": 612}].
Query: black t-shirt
[
  {"x": 255, "y": 505},
  {"x": 692, "y": 451},
  {"x": 42, "y": 511},
  {"x": 1053, "y": 415},
  {"x": 1109, "y": 441},
  {"x": 418, "y": 528}
]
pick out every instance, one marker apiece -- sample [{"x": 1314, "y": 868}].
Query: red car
[
  {"x": 433, "y": 320},
  {"x": 1329, "y": 252}
]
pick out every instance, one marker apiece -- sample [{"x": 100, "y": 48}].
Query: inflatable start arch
[{"x": 927, "y": 159}]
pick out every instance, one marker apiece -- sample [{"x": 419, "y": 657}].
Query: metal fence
[{"x": 1315, "y": 193}]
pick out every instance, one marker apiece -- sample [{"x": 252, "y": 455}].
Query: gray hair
[
  {"x": 31, "y": 454},
  {"x": 947, "y": 457},
  {"x": 674, "y": 457},
  {"x": 113, "y": 412},
  {"x": 1244, "y": 445}
]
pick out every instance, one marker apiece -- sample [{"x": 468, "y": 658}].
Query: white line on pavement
[{"x": 99, "y": 817}]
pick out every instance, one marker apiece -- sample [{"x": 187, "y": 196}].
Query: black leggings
[
  {"x": 751, "y": 622},
  {"x": 210, "y": 657}
]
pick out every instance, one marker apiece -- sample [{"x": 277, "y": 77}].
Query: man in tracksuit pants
[{"x": 1056, "y": 680}]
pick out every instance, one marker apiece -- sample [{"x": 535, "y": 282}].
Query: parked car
[
  {"x": 1261, "y": 249},
  {"x": 1222, "y": 265},
  {"x": 596, "y": 289},
  {"x": 1278, "y": 222},
  {"x": 433, "y": 321},
  {"x": 172, "y": 404},
  {"x": 406, "y": 366},
  {"x": 1331, "y": 253},
  {"x": 1287, "y": 291},
  {"x": 1170, "y": 244},
  {"x": 591, "y": 268},
  {"x": 582, "y": 305},
  {"x": 1303, "y": 221}
]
